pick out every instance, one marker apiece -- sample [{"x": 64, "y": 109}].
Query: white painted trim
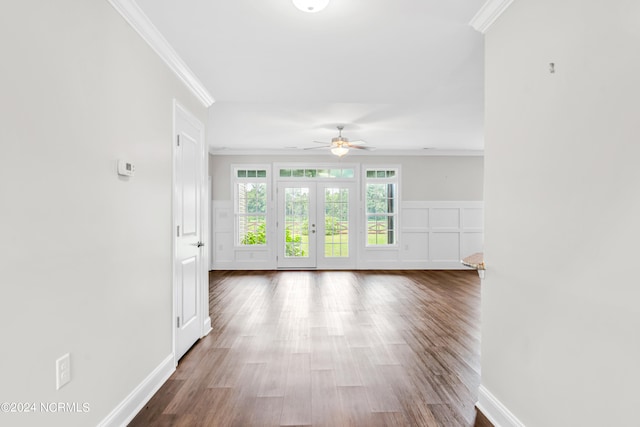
[
  {"x": 410, "y": 265},
  {"x": 495, "y": 411},
  {"x": 135, "y": 401},
  {"x": 206, "y": 327},
  {"x": 132, "y": 13},
  {"x": 210, "y": 222},
  {"x": 368, "y": 265},
  {"x": 488, "y": 14},
  {"x": 317, "y": 153}
]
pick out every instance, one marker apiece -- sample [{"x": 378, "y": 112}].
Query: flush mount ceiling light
[{"x": 310, "y": 6}]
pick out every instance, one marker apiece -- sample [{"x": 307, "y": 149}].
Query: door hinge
[
  {"x": 178, "y": 140},
  {"x": 177, "y": 322},
  {"x": 178, "y": 231}
]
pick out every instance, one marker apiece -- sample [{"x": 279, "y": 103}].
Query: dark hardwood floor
[{"x": 319, "y": 348}]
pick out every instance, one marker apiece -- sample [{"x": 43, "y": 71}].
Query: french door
[{"x": 316, "y": 224}]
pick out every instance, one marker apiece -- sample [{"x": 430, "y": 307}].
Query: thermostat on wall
[{"x": 125, "y": 168}]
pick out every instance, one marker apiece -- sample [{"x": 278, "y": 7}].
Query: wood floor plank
[
  {"x": 324, "y": 399},
  {"x": 296, "y": 409},
  {"x": 330, "y": 348},
  {"x": 355, "y": 406},
  {"x": 267, "y": 411},
  {"x": 347, "y": 371},
  {"x": 274, "y": 379}
]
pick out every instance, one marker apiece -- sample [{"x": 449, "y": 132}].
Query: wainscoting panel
[
  {"x": 252, "y": 256},
  {"x": 432, "y": 235},
  {"x": 437, "y": 235},
  {"x": 471, "y": 242},
  {"x": 415, "y": 246},
  {"x": 444, "y": 246},
  {"x": 225, "y": 254},
  {"x": 445, "y": 218},
  {"x": 472, "y": 219},
  {"x": 415, "y": 217}
]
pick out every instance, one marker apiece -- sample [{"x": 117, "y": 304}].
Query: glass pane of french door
[
  {"x": 336, "y": 222},
  {"x": 296, "y": 222},
  {"x": 297, "y": 225}
]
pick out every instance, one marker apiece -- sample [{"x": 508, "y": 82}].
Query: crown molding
[
  {"x": 132, "y": 13},
  {"x": 488, "y": 14},
  {"x": 217, "y": 151}
]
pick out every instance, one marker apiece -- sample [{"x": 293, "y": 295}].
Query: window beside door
[
  {"x": 336, "y": 222},
  {"x": 381, "y": 199},
  {"x": 251, "y": 199}
]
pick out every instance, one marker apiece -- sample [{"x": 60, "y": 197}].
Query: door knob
[{"x": 199, "y": 244}]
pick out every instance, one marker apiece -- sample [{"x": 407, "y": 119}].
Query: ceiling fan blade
[
  {"x": 358, "y": 147},
  {"x": 316, "y": 148},
  {"x": 322, "y": 142},
  {"x": 357, "y": 142}
]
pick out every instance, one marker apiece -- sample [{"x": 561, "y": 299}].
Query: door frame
[
  {"x": 204, "y": 319},
  {"x": 336, "y": 263},
  {"x": 356, "y": 209}
]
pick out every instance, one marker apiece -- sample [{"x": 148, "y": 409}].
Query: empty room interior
[{"x": 320, "y": 213}]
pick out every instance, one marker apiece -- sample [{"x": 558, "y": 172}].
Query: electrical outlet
[{"x": 63, "y": 370}]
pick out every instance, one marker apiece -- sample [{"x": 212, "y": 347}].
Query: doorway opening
[{"x": 317, "y": 223}]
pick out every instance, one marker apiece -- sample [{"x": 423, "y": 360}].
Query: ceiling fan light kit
[
  {"x": 340, "y": 145},
  {"x": 310, "y": 6},
  {"x": 339, "y": 151}
]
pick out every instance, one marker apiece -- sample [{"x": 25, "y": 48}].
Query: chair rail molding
[
  {"x": 132, "y": 13},
  {"x": 488, "y": 14}
]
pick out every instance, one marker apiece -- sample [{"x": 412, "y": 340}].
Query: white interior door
[
  {"x": 188, "y": 213},
  {"x": 297, "y": 228}
]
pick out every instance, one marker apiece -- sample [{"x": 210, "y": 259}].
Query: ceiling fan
[{"x": 340, "y": 145}]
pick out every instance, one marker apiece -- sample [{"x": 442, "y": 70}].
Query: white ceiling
[{"x": 403, "y": 75}]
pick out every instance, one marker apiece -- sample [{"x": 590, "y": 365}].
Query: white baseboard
[
  {"x": 206, "y": 328},
  {"x": 432, "y": 265},
  {"x": 135, "y": 401},
  {"x": 495, "y": 411}
]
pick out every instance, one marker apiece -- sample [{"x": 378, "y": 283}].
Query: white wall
[
  {"x": 440, "y": 213},
  {"x": 85, "y": 256},
  {"x": 560, "y": 316},
  {"x": 424, "y": 178}
]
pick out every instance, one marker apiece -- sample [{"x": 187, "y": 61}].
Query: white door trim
[{"x": 203, "y": 291}]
